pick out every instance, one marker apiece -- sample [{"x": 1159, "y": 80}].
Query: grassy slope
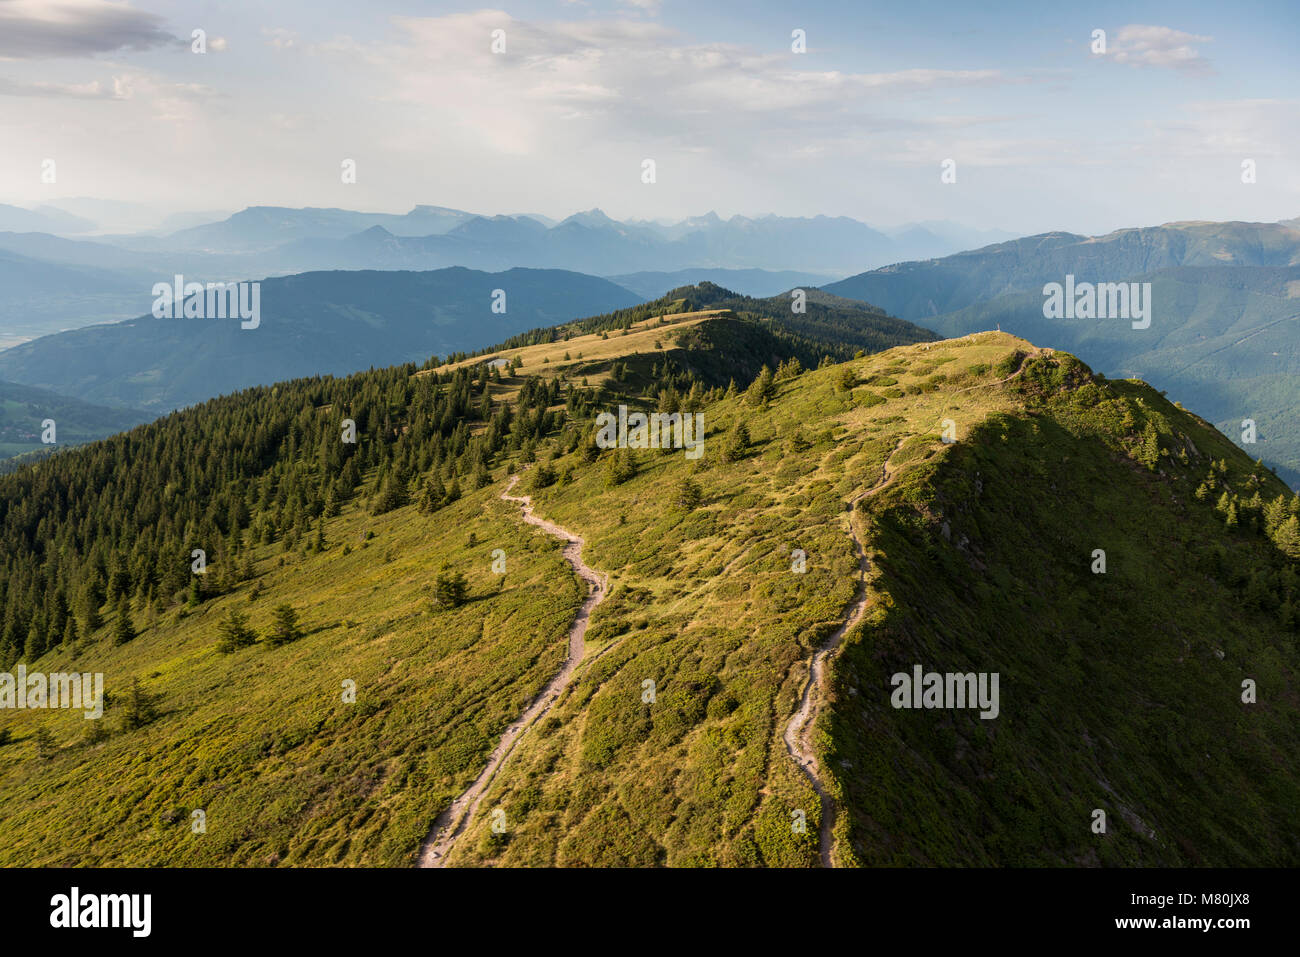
[
  {"x": 1230, "y": 353},
  {"x": 1083, "y": 658},
  {"x": 261, "y": 740},
  {"x": 706, "y": 605}
]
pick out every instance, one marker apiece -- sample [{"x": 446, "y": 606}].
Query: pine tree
[
  {"x": 434, "y": 495},
  {"x": 141, "y": 707},
  {"x": 737, "y": 444},
  {"x": 762, "y": 389},
  {"x": 44, "y": 741},
  {"x": 621, "y": 468},
  {"x": 284, "y": 625},
  {"x": 233, "y": 633},
  {"x": 1287, "y": 537},
  {"x": 449, "y": 588},
  {"x": 689, "y": 494},
  {"x": 1149, "y": 451}
]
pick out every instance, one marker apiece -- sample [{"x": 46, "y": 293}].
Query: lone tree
[
  {"x": 449, "y": 589},
  {"x": 737, "y": 446},
  {"x": 689, "y": 494},
  {"x": 234, "y": 633},
  {"x": 141, "y": 707},
  {"x": 434, "y": 495},
  {"x": 762, "y": 389},
  {"x": 44, "y": 741},
  {"x": 284, "y": 625}
]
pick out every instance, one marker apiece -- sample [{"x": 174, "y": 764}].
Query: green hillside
[
  {"x": 24, "y": 409},
  {"x": 1120, "y": 691},
  {"x": 1221, "y": 339}
]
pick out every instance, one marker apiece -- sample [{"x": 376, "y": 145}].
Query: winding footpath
[
  {"x": 798, "y": 731},
  {"x": 450, "y": 824}
]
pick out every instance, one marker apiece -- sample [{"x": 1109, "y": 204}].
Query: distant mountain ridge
[
  {"x": 324, "y": 323},
  {"x": 1225, "y": 333},
  {"x": 24, "y": 410},
  {"x": 295, "y": 240}
]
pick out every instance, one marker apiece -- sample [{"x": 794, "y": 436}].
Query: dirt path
[
  {"x": 450, "y": 824},
  {"x": 798, "y": 731}
]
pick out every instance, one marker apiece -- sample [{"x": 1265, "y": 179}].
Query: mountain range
[
  {"x": 1224, "y": 337},
  {"x": 327, "y": 323}
]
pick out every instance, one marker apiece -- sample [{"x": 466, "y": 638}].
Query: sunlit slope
[
  {"x": 261, "y": 739},
  {"x": 1113, "y": 693}
]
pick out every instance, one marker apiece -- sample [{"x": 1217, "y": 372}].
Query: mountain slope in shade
[
  {"x": 311, "y": 324},
  {"x": 914, "y": 290}
]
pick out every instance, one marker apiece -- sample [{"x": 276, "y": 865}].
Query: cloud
[
  {"x": 93, "y": 90},
  {"x": 623, "y": 80},
  {"x": 1232, "y": 129},
  {"x": 1164, "y": 47},
  {"x": 34, "y": 29},
  {"x": 280, "y": 38}
]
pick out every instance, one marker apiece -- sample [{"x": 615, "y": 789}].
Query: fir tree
[{"x": 284, "y": 625}]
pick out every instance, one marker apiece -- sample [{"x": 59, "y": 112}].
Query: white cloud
[
  {"x": 93, "y": 90},
  {"x": 1164, "y": 47},
  {"x": 621, "y": 79},
  {"x": 280, "y": 38}
]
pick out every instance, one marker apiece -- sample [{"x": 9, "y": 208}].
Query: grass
[
  {"x": 1114, "y": 694},
  {"x": 261, "y": 740}
]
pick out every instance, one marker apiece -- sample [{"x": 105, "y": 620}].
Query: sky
[{"x": 1044, "y": 132}]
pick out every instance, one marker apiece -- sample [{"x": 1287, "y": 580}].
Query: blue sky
[{"x": 1045, "y": 134}]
